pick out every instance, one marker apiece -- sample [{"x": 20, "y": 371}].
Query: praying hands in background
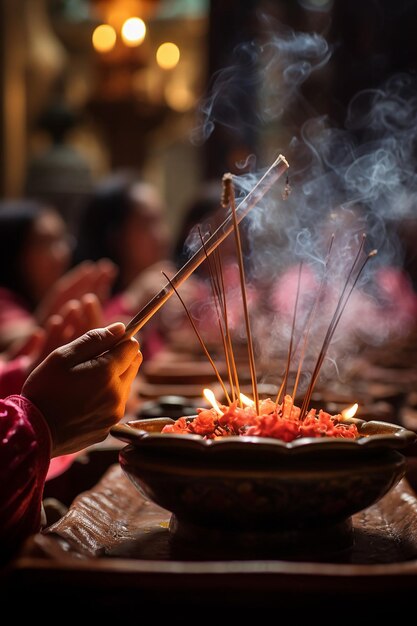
[
  {"x": 87, "y": 277},
  {"x": 72, "y": 320}
]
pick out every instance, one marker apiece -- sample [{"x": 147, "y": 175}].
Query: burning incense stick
[
  {"x": 274, "y": 172},
  {"x": 283, "y": 387},
  {"x": 229, "y": 197},
  {"x": 229, "y": 343},
  {"x": 341, "y": 305},
  {"x": 219, "y": 297},
  {"x": 311, "y": 316},
  {"x": 200, "y": 339},
  {"x": 227, "y": 334}
]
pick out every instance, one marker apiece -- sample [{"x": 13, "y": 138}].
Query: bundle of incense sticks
[
  {"x": 220, "y": 302},
  {"x": 274, "y": 172}
]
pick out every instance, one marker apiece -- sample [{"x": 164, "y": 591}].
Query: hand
[
  {"x": 81, "y": 388},
  {"x": 75, "y": 318},
  {"x": 85, "y": 278}
]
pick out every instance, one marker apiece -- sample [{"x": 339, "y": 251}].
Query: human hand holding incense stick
[{"x": 273, "y": 173}]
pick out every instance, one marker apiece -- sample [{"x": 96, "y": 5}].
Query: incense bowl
[{"x": 252, "y": 486}]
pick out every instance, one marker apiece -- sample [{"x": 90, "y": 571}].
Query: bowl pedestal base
[{"x": 310, "y": 542}]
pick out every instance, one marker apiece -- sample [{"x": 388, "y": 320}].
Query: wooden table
[{"x": 112, "y": 552}]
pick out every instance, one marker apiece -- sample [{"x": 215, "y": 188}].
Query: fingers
[
  {"x": 75, "y": 318},
  {"x": 129, "y": 375},
  {"x": 91, "y": 311},
  {"x": 78, "y": 316},
  {"x": 82, "y": 279},
  {"x": 77, "y": 280},
  {"x": 121, "y": 356},
  {"x": 90, "y": 277},
  {"x": 53, "y": 330},
  {"x": 127, "y": 378},
  {"x": 106, "y": 266},
  {"x": 93, "y": 343},
  {"x": 29, "y": 346},
  {"x": 73, "y": 324},
  {"x": 70, "y": 286}
]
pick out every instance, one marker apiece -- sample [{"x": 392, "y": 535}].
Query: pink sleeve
[{"x": 25, "y": 446}]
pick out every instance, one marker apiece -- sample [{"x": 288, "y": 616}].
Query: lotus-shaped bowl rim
[{"x": 374, "y": 435}]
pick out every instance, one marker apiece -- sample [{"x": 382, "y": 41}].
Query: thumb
[{"x": 93, "y": 343}]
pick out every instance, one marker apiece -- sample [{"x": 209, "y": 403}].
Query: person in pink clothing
[
  {"x": 124, "y": 221},
  {"x": 69, "y": 401},
  {"x": 35, "y": 277}
]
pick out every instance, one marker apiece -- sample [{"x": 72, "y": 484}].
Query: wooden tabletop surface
[{"x": 114, "y": 549}]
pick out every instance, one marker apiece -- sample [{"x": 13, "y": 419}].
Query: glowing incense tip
[
  {"x": 227, "y": 189},
  {"x": 281, "y": 159},
  {"x": 245, "y": 400},
  {"x": 210, "y": 397},
  {"x": 350, "y": 411}
]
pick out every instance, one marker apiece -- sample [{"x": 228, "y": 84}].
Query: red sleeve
[{"x": 25, "y": 446}]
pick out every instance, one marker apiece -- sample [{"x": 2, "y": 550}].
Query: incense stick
[
  {"x": 229, "y": 192},
  {"x": 219, "y": 265},
  {"x": 283, "y": 387},
  {"x": 311, "y": 316},
  {"x": 273, "y": 173},
  {"x": 341, "y": 305},
  {"x": 200, "y": 339},
  {"x": 220, "y": 306}
]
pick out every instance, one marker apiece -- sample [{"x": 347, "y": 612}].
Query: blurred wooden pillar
[
  {"x": 12, "y": 96},
  {"x": 230, "y": 24}
]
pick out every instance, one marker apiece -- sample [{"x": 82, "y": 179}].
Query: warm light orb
[
  {"x": 104, "y": 38},
  {"x": 245, "y": 400},
  {"x": 133, "y": 31},
  {"x": 350, "y": 411},
  {"x": 179, "y": 97},
  {"x": 210, "y": 397},
  {"x": 167, "y": 55}
]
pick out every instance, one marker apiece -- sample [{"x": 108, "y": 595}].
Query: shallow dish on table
[{"x": 254, "y": 484}]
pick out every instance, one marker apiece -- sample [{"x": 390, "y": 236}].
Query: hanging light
[
  {"x": 104, "y": 38},
  {"x": 167, "y": 55},
  {"x": 133, "y": 31}
]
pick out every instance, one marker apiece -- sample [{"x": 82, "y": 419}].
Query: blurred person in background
[
  {"x": 205, "y": 211},
  {"x": 35, "y": 280},
  {"x": 74, "y": 319},
  {"x": 42, "y": 305},
  {"x": 125, "y": 222}
]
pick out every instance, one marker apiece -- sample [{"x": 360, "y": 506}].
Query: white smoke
[{"x": 345, "y": 181}]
